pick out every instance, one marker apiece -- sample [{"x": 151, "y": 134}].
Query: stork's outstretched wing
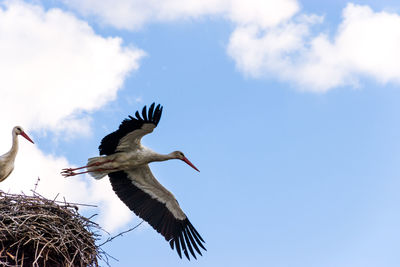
[
  {"x": 131, "y": 131},
  {"x": 152, "y": 202}
]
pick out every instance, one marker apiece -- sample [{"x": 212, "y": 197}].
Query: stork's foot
[{"x": 68, "y": 172}]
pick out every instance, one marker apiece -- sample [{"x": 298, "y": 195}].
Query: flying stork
[
  {"x": 125, "y": 160},
  {"x": 7, "y": 160}
]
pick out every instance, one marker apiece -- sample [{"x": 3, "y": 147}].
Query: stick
[{"x": 120, "y": 234}]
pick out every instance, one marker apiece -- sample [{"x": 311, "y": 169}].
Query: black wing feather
[
  {"x": 157, "y": 112},
  {"x": 144, "y": 113},
  {"x": 188, "y": 243},
  {"x": 183, "y": 244},
  {"x": 110, "y": 142},
  {"x": 177, "y": 232},
  {"x": 193, "y": 242},
  {"x": 138, "y": 115},
  {"x": 178, "y": 247},
  {"x": 151, "y": 110}
]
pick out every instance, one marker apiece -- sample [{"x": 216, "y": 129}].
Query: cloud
[
  {"x": 54, "y": 69},
  {"x": 259, "y": 51},
  {"x": 54, "y": 66},
  {"x": 134, "y": 14},
  {"x": 369, "y": 42},
  {"x": 260, "y": 12},
  {"x": 275, "y": 39},
  {"x": 364, "y": 45}
]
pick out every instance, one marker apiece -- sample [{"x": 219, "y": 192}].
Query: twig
[
  {"x": 37, "y": 183},
  {"x": 120, "y": 234},
  {"x": 62, "y": 202}
]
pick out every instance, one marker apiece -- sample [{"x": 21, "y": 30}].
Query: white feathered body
[
  {"x": 122, "y": 161},
  {"x": 6, "y": 165},
  {"x": 7, "y": 160}
]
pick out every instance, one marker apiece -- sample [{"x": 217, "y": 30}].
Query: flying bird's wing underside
[
  {"x": 152, "y": 202},
  {"x": 131, "y": 141},
  {"x": 131, "y": 131}
]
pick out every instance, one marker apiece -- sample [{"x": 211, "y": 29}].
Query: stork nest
[{"x": 35, "y": 231}]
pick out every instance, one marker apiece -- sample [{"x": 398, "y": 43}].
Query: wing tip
[
  {"x": 185, "y": 239},
  {"x": 152, "y": 115}
]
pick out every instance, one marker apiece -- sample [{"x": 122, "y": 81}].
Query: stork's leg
[
  {"x": 67, "y": 172},
  {"x": 90, "y": 165}
]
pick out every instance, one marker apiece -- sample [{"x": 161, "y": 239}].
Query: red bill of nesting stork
[
  {"x": 7, "y": 160},
  {"x": 125, "y": 161}
]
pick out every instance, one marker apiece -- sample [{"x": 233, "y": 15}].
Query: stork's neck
[
  {"x": 14, "y": 148},
  {"x": 162, "y": 157}
]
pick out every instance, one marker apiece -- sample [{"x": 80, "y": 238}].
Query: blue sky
[{"x": 292, "y": 121}]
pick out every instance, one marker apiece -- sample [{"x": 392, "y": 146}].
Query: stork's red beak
[
  {"x": 190, "y": 164},
  {"x": 26, "y": 137}
]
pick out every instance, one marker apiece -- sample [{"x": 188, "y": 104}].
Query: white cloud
[
  {"x": 53, "y": 67},
  {"x": 260, "y": 12},
  {"x": 257, "y": 51},
  {"x": 273, "y": 39},
  {"x": 133, "y": 14},
  {"x": 369, "y": 42},
  {"x": 365, "y": 45}
]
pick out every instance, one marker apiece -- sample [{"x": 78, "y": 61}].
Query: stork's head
[
  {"x": 18, "y": 130},
  {"x": 181, "y": 156}
]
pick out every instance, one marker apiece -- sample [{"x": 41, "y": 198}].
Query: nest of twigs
[{"x": 35, "y": 231}]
